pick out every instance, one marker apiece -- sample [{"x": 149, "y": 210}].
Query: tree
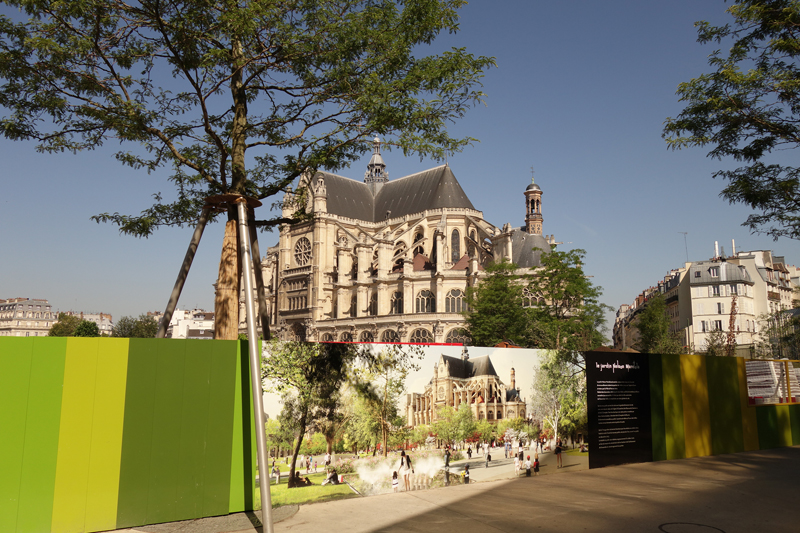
[
  {"x": 382, "y": 382},
  {"x": 568, "y": 313},
  {"x": 653, "y": 325},
  {"x": 495, "y": 307},
  {"x": 558, "y": 393},
  {"x": 309, "y": 375},
  {"x": 65, "y": 326},
  {"x": 715, "y": 343},
  {"x": 235, "y": 97},
  {"x": 749, "y": 107},
  {"x": 144, "y": 327},
  {"x": 87, "y": 328}
]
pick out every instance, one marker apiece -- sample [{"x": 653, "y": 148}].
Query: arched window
[
  {"x": 457, "y": 336},
  {"x": 528, "y": 298},
  {"x": 327, "y": 337},
  {"x": 399, "y": 254},
  {"x": 426, "y": 303},
  {"x": 480, "y": 415},
  {"x": 418, "y": 238},
  {"x": 421, "y": 336},
  {"x": 390, "y": 335},
  {"x": 499, "y": 415},
  {"x": 302, "y": 251},
  {"x": 346, "y": 337},
  {"x": 366, "y": 336},
  {"x": 454, "y": 301},
  {"x": 372, "y": 310},
  {"x": 490, "y": 415},
  {"x": 396, "y": 303},
  {"x": 297, "y": 332},
  {"x": 455, "y": 246}
]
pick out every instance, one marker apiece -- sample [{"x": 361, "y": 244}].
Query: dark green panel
[
  {"x": 194, "y": 429},
  {"x": 165, "y": 452},
  {"x": 724, "y": 406},
  {"x": 794, "y": 411},
  {"x": 216, "y": 497},
  {"x": 673, "y": 407},
  {"x": 659, "y": 431},
  {"x": 243, "y": 451},
  {"x": 15, "y": 378},
  {"x": 41, "y": 435},
  {"x": 768, "y": 427},
  {"x": 137, "y": 433}
]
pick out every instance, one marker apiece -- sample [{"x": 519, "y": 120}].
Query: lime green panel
[
  {"x": 794, "y": 413},
  {"x": 749, "y": 420},
  {"x": 216, "y": 490},
  {"x": 659, "y": 434},
  {"x": 696, "y": 416},
  {"x": 724, "y": 405},
  {"x": 137, "y": 434},
  {"x": 784, "y": 425},
  {"x": 243, "y": 456},
  {"x": 165, "y": 449},
  {"x": 194, "y": 429},
  {"x": 16, "y": 357},
  {"x": 41, "y": 435},
  {"x": 768, "y": 427},
  {"x": 75, "y": 439},
  {"x": 107, "y": 424},
  {"x": 673, "y": 407}
]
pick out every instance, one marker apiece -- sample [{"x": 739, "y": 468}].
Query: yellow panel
[
  {"x": 784, "y": 425},
  {"x": 75, "y": 437},
  {"x": 696, "y": 414},
  {"x": 109, "y": 411},
  {"x": 749, "y": 421}
]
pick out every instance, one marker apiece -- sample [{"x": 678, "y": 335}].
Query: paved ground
[{"x": 746, "y": 492}]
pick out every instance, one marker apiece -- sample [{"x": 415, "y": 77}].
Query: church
[
  {"x": 388, "y": 260},
  {"x": 462, "y": 380}
]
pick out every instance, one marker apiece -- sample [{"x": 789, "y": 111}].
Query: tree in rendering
[
  {"x": 232, "y": 97},
  {"x": 748, "y": 108}
]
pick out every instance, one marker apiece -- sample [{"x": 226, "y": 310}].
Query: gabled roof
[
  {"x": 469, "y": 368},
  {"x": 431, "y": 189}
]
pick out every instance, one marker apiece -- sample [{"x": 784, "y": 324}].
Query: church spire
[{"x": 376, "y": 174}]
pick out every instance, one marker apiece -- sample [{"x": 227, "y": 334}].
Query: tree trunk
[
  {"x": 301, "y": 432},
  {"x": 226, "y": 302}
]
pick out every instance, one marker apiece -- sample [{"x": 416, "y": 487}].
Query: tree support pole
[
  {"x": 255, "y": 367},
  {"x": 184, "y": 271},
  {"x": 259, "y": 274}
]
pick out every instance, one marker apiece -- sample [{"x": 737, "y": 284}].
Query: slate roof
[
  {"x": 431, "y": 189},
  {"x": 522, "y": 246},
  {"x": 699, "y": 273},
  {"x": 480, "y": 366}
]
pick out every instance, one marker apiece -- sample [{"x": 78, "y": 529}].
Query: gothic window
[
  {"x": 297, "y": 333},
  {"x": 499, "y": 415},
  {"x": 399, "y": 254},
  {"x": 390, "y": 335},
  {"x": 421, "y": 336},
  {"x": 396, "y": 303},
  {"x": 302, "y": 251},
  {"x": 454, "y": 301},
  {"x": 366, "y": 336},
  {"x": 353, "y": 304},
  {"x": 490, "y": 415},
  {"x": 372, "y": 310},
  {"x": 528, "y": 298},
  {"x": 346, "y": 337},
  {"x": 457, "y": 336},
  {"x": 426, "y": 303},
  {"x": 455, "y": 246},
  {"x": 327, "y": 337},
  {"x": 480, "y": 415},
  {"x": 417, "y": 238}
]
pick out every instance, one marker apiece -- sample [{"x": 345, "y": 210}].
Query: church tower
[
  {"x": 376, "y": 174},
  {"x": 533, "y": 209}
]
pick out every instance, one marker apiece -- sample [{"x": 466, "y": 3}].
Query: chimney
[
  {"x": 733, "y": 248},
  {"x": 716, "y": 249}
]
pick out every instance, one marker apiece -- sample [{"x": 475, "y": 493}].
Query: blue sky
[{"x": 580, "y": 94}]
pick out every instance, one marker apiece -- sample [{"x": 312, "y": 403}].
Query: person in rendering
[
  {"x": 395, "y": 482},
  {"x": 333, "y": 478},
  {"x": 277, "y": 473},
  {"x": 406, "y": 470},
  {"x": 516, "y": 466},
  {"x": 469, "y": 452},
  {"x": 488, "y": 457},
  {"x": 536, "y": 463},
  {"x": 327, "y": 460},
  {"x": 528, "y": 467},
  {"x": 466, "y": 474},
  {"x": 557, "y": 451}
]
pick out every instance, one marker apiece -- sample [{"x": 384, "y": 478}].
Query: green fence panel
[
  {"x": 724, "y": 405},
  {"x": 658, "y": 422},
  {"x": 243, "y": 457},
  {"x": 673, "y": 407},
  {"x": 794, "y": 415},
  {"x": 37, "y": 485}
]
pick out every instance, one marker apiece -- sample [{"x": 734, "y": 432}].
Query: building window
[
  {"x": 455, "y": 246},
  {"x": 390, "y": 335},
  {"x": 697, "y": 274},
  {"x": 457, "y": 336},
  {"x": 327, "y": 337},
  {"x": 372, "y": 309},
  {"x": 733, "y": 289},
  {"x": 454, "y": 301},
  {"x": 366, "y": 336},
  {"x": 720, "y": 308},
  {"x": 302, "y": 251},
  {"x": 297, "y": 333},
  {"x": 714, "y": 271},
  {"x": 426, "y": 303},
  {"x": 715, "y": 290},
  {"x": 421, "y": 336},
  {"x": 718, "y": 325},
  {"x": 346, "y": 337},
  {"x": 396, "y": 303},
  {"x": 490, "y": 415},
  {"x": 353, "y": 304}
]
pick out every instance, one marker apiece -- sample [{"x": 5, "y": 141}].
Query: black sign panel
[{"x": 618, "y": 402}]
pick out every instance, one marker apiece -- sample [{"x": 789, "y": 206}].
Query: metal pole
[
  {"x": 262, "y": 298},
  {"x": 255, "y": 368},
  {"x": 187, "y": 263}
]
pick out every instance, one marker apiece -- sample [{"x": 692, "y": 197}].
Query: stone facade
[{"x": 25, "y": 317}]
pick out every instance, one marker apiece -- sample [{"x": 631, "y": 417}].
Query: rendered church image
[
  {"x": 389, "y": 260},
  {"x": 458, "y": 380}
]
